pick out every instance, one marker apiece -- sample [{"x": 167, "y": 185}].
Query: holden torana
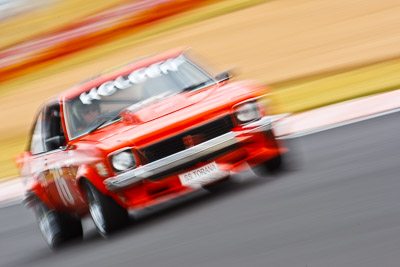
[{"x": 152, "y": 130}]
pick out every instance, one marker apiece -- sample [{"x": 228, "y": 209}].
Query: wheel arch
[
  {"x": 34, "y": 194},
  {"x": 87, "y": 172}
]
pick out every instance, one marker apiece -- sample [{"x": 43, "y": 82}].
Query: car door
[
  {"x": 33, "y": 170},
  {"x": 60, "y": 167}
]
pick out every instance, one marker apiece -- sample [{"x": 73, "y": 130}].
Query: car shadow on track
[{"x": 148, "y": 218}]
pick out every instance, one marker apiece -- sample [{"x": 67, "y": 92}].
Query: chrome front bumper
[{"x": 214, "y": 145}]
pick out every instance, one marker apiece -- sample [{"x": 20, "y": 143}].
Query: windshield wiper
[
  {"x": 103, "y": 122},
  {"x": 194, "y": 86}
]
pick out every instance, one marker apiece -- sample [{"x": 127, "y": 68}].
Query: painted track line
[
  {"x": 304, "y": 133},
  {"x": 338, "y": 114},
  {"x": 11, "y": 192}
]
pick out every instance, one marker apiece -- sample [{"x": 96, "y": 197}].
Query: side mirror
[
  {"x": 54, "y": 142},
  {"x": 225, "y": 75}
]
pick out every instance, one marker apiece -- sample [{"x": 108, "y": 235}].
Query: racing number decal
[{"x": 62, "y": 187}]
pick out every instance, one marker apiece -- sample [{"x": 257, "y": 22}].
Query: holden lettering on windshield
[{"x": 138, "y": 76}]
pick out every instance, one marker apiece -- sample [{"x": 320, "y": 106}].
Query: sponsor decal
[{"x": 138, "y": 76}]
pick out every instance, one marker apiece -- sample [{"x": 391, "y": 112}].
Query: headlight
[
  {"x": 123, "y": 160},
  {"x": 246, "y": 112}
]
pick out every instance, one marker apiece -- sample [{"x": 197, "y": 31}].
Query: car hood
[
  {"x": 171, "y": 115},
  {"x": 154, "y": 109}
]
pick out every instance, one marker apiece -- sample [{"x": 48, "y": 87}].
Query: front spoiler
[{"x": 199, "y": 151}]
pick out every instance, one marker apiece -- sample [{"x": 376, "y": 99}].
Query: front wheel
[
  {"x": 219, "y": 185},
  {"x": 57, "y": 228},
  {"x": 272, "y": 166},
  {"x": 107, "y": 215}
]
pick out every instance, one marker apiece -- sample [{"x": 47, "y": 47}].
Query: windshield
[{"x": 101, "y": 105}]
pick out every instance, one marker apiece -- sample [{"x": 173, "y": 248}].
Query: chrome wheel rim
[
  {"x": 96, "y": 212},
  {"x": 45, "y": 226}
]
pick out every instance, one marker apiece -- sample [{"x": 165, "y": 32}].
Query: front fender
[{"x": 89, "y": 172}]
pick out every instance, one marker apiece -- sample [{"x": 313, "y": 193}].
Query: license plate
[{"x": 201, "y": 176}]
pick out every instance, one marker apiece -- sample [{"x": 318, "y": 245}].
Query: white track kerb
[{"x": 291, "y": 126}]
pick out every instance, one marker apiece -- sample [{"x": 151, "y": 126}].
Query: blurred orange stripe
[{"x": 34, "y": 55}]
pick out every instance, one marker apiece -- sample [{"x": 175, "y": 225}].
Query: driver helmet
[{"x": 79, "y": 109}]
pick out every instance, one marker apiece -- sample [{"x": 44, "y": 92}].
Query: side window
[
  {"x": 37, "y": 145},
  {"x": 53, "y": 132}
]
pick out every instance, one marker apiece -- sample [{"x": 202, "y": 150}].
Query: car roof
[{"x": 114, "y": 73}]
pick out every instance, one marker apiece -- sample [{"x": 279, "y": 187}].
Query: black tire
[
  {"x": 272, "y": 166},
  {"x": 57, "y": 228},
  {"x": 107, "y": 215},
  {"x": 219, "y": 186}
]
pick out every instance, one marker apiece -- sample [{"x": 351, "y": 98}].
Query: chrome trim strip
[{"x": 211, "y": 146}]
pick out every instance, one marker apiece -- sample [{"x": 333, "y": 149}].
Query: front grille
[{"x": 197, "y": 135}]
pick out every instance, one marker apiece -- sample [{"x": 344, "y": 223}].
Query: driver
[
  {"x": 90, "y": 112},
  {"x": 85, "y": 114}
]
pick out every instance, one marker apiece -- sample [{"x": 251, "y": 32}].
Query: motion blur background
[
  {"x": 312, "y": 53},
  {"x": 340, "y": 209}
]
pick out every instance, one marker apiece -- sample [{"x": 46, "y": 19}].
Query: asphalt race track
[{"x": 342, "y": 208}]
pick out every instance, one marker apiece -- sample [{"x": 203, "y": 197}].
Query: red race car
[{"x": 153, "y": 130}]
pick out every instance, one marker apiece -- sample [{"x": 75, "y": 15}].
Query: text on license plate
[{"x": 204, "y": 175}]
